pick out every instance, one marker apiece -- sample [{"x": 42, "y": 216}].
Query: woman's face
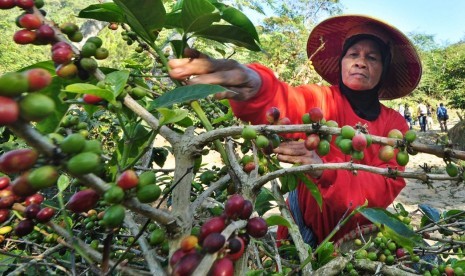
[{"x": 362, "y": 65}]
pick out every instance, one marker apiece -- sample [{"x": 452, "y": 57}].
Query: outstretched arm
[{"x": 242, "y": 82}]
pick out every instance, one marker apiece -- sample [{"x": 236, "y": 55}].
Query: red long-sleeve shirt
[{"x": 339, "y": 188}]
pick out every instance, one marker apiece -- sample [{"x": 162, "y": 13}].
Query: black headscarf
[{"x": 365, "y": 103}]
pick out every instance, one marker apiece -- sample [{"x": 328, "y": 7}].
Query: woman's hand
[
  {"x": 294, "y": 152},
  {"x": 242, "y": 82}
]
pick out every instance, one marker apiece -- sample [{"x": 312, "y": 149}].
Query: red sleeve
[{"x": 292, "y": 102}]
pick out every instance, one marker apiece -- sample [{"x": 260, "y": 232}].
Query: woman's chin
[{"x": 358, "y": 86}]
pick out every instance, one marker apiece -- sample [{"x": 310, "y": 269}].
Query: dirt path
[{"x": 445, "y": 195}]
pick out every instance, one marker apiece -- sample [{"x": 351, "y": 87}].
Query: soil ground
[{"x": 444, "y": 195}]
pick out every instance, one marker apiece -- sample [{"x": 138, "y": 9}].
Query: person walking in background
[
  {"x": 442, "y": 117},
  {"x": 429, "y": 117},
  {"x": 421, "y": 112},
  {"x": 408, "y": 115}
]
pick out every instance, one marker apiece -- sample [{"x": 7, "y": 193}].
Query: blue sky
[{"x": 444, "y": 19}]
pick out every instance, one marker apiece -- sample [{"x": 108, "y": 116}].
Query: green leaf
[
  {"x": 325, "y": 254},
  {"x": 173, "y": 21},
  {"x": 47, "y": 65},
  {"x": 178, "y": 46},
  {"x": 198, "y": 15},
  {"x": 169, "y": 116},
  {"x": 51, "y": 123},
  {"x": 146, "y": 17},
  {"x": 229, "y": 34},
  {"x": 392, "y": 227},
  {"x": 312, "y": 187},
  {"x": 258, "y": 272},
  {"x": 63, "y": 182},
  {"x": 263, "y": 201},
  {"x": 186, "y": 122},
  {"x": 85, "y": 88},
  {"x": 108, "y": 12},
  {"x": 277, "y": 220},
  {"x": 6, "y": 261},
  {"x": 184, "y": 94},
  {"x": 117, "y": 81},
  {"x": 237, "y": 18}
]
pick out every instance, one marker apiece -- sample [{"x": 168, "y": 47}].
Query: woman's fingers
[
  {"x": 241, "y": 81},
  {"x": 294, "y": 152},
  {"x": 291, "y": 148}
]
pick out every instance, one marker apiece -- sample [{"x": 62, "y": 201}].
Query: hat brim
[{"x": 405, "y": 69}]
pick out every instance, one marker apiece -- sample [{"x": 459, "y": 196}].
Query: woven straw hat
[{"x": 325, "y": 44}]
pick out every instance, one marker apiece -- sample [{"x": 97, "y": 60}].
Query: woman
[{"x": 364, "y": 60}]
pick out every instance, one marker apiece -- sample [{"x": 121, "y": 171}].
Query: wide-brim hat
[{"x": 324, "y": 48}]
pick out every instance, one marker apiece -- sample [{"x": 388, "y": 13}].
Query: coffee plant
[{"x": 79, "y": 192}]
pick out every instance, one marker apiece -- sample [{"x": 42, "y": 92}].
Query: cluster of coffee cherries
[
  {"x": 18, "y": 97},
  {"x": 33, "y": 212},
  {"x": 209, "y": 240}
]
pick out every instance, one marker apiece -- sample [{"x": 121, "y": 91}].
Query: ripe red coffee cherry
[
  {"x": 400, "y": 252},
  {"x": 83, "y": 201},
  {"x": 9, "y": 111},
  {"x": 248, "y": 167},
  {"x": 38, "y": 79},
  {"x": 233, "y": 206},
  {"x": 45, "y": 214},
  {"x": 127, "y": 180},
  {"x": 222, "y": 267},
  {"x": 213, "y": 225},
  {"x": 25, "y": 4},
  {"x": 7, "y": 201},
  {"x": 91, "y": 99},
  {"x": 177, "y": 255},
  {"x": 359, "y": 142},
  {"x": 312, "y": 141},
  {"x": 34, "y": 199},
  {"x": 4, "y": 182},
  {"x": 21, "y": 186},
  {"x": 24, "y": 227},
  {"x": 62, "y": 55},
  {"x": 236, "y": 248},
  {"x": 257, "y": 227},
  {"x": 272, "y": 115},
  {"x": 247, "y": 210},
  {"x": 187, "y": 264},
  {"x": 31, "y": 211},
  {"x": 18, "y": 160},
  {"x": 7, "y": 4},
  {"x": 61, "y": 44},
  {"x": 213, "y": 242},
  {"x": 315, "y": 114},
  {"x": 24, "y": 37},
  {"x": 30, "y": 21},
  {"x": 45, "y": 34},
  {"x": 284, "y": 121},
  {"x": 4, "y": 215}
]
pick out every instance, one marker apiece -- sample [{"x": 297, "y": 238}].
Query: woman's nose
[{"x": 360, "y": 62}]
